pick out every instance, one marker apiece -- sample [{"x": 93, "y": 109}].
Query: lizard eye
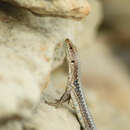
[
  {"x": 72, "y": 61},
  {"x": 76, "y": 82}
]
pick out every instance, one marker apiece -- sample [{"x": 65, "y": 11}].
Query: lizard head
[
  {"x": 72, "y": 58},
  {"x": 71, "y": 52}
]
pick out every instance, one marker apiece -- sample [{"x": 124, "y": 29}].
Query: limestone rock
[
  {"x": 61, "y": 8},
  {"x": 29, "y": 52},
  {"x": 48, "y": 117},
  {"x": 30, "y": 49}
]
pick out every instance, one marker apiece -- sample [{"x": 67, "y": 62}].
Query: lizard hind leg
[{"x": 64, "y": 98}]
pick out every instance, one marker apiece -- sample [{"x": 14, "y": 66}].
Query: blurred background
[
  {"x": 117, "y": 27},
  {"x": 106, "y": 65}
]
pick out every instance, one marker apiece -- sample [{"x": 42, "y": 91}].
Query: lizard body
[{"x": 74, "y": 89}]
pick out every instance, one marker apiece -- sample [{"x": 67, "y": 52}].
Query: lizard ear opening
[{"x": 71, "y": 48}]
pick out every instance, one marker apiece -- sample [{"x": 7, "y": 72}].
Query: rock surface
[
  {"x": 108, "y": 88},
  {"x": 30, "y": 48},
  {"x": 31, "y": 51},
  {"x": 65, "y": 8}
]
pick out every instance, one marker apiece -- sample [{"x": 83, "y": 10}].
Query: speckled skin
[{"x": 74, "y": 89}]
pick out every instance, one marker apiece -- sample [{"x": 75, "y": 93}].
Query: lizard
[{"x": 74, "y": 89}]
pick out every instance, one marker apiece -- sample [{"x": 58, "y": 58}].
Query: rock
[
  {"x": 31, "y": 47},
  {"x": 12, "y": 125},
  {"x": 27, "y": 47},
  {"x": 48, "y": 117},
  {"x": 73, "y": 8}
]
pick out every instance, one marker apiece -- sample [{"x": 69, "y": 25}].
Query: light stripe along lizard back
[{"x": 76, "y": 92}]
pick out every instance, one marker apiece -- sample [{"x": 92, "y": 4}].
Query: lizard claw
[{"x": 55, "y": 104}]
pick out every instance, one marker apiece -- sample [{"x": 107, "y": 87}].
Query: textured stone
[
  {"x": 48, "y": 117},
  {"x": 31, "y": 47},
  {"x": 28, "y": 47},
  {"x": 61, "y": 8},
  {"x": 12, "y": 125}
]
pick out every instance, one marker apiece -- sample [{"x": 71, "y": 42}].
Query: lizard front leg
[{"x": 65, "y": 97}]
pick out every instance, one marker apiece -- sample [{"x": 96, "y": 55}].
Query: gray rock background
[
  {"x": 74, "y": 8},
  {"x": 32, "y": 66}
]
